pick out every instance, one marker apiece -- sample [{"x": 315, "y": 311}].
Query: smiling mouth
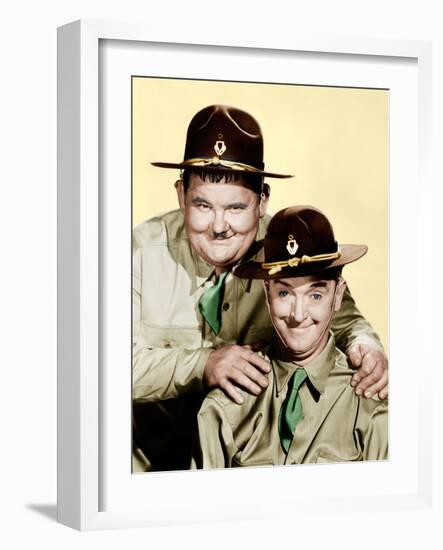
[
  {"x": 220, "y": 239},
  {"x": 300, "y": 329}
]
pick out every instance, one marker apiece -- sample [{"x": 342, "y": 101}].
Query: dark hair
[{"x": 254, "y": 182}]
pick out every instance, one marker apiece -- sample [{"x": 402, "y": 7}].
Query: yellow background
[{"x": 334, "y": 140}]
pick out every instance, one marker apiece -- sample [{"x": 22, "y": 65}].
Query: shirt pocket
[
  {"x": 329, "y": 457},
  {"x": 258, "y": 447},
  {"x": 152, "y": 336},
  {"x": 237, "y": 462}
]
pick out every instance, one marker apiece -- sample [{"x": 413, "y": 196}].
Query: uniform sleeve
[
  {"x": 373, "y": 430},
  {"x": 215, "y": 447},
  {"x": 349, "y": 325},
  {"x": 167, "y": 373},
  {"x": 161, "y": 373}
]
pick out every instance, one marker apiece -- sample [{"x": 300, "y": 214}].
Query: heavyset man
[
  {"x": 196, "y": 326},
  {"x": 308, "y": 413}
]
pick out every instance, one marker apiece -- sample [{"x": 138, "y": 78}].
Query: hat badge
[
  {"x": 220, "y": 146},
  {"x": 292, "y": 245}
]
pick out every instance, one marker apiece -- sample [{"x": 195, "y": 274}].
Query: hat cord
[
  {"x": 275, "y": 267},
  {"x": 216, "y": 161}
]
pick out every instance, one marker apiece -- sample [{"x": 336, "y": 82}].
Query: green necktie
[
  {"x": 210, "y": 302},
  {"x": 291, "y": 411}
]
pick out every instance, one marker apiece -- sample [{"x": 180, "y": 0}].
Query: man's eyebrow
[
  {"x": 319, "y": 284},
  {"x": 242, "y": 205},
  {"x": 282, "y": 282},
  {"x": 199, "y": 200},
  {"x": 314, "y": 284}
]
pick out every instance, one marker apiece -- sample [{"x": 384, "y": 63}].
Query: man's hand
[
  {"x": 231, "y": 366},
  {"x": 372, "y": 374}
]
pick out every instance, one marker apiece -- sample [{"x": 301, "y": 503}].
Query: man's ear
[
  {"x": 179, "y": 187},
  {"x": 339, "y": 291},
  {"x": 264, "y": 201}
]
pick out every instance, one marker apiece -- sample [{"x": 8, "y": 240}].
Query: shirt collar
[
  {"x": 317, "y": 370},
  {"x": 203, "y": 270}
]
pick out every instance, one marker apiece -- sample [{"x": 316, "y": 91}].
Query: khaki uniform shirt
[
  {"x": 171, "y": 340},
  {"x": 337, "y": 425}
]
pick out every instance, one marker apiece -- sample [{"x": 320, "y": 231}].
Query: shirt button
[{"x": 226, "y": 306}]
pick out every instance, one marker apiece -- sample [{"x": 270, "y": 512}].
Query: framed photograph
[
  {"x": 350, "y": 119},
  {"x": 334, "y": 140}
]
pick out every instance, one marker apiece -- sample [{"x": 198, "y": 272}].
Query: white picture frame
[{"x": 82, "y": 299}]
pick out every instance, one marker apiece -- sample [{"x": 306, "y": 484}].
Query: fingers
[
  {"x": 245, "y": 379},
  {"x": 372, "y": 377},
  {"x": 247, "y": 372},
  {"x": 380, "y": 387},
  {"x": 256, "y": 360},
  {"x": 233, "y": 367},
  {"x": 369, "y": 363},
  {"x": 370, "y": 380},
  {"x": 231, "y": 391},
  {"x": 237, "y": 379},
  {"x": 245, "y": 376},
  {"x": 383, "y": 394},
  {"x": 252, "y": 373},
  {"x": 354, "y": 355}
]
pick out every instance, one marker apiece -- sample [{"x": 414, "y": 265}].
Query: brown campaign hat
[
  {"x": 299, "y": 241},
  {"x": 224, "y": 139}
]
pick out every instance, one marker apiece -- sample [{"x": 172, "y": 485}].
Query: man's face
[
  {"x": 301, "y": 309},
  {"x": 221, "y": 219}
]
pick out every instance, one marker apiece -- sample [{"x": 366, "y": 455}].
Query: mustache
[{"x": 220, "y": 235}]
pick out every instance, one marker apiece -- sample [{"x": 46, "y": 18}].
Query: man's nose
[
  {"x": 298, "y": 312},
  {"x": 219, "y": 224}
]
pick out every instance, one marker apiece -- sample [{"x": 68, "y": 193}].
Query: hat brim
[
  {"x": 254, "y": 270},
  {"x": 221, "y": 169}
]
